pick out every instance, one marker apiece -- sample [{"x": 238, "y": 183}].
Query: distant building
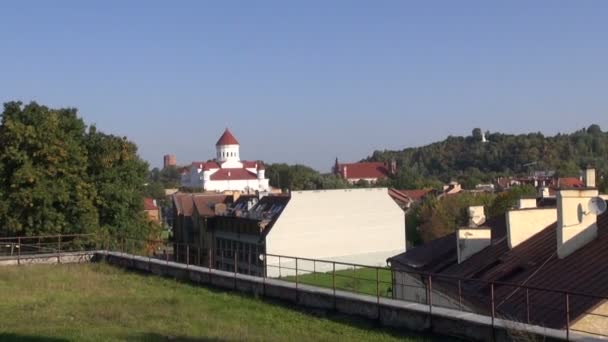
[
  {"x": 227, "y": 171},
  {"x": 169, "y": 160},
  {"x": 151, "y": 209},
  {"x": 359, "y": 226},
  {"x": 452, "y": 188},
  {"x": 406, "y": 198},
  {"x": 370, "y": 172},
  {"x": 191, "y": 212},
  {"x": 559, "y": 246}
]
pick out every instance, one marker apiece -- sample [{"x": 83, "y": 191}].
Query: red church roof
[
  {"x": 363, "y": 170},
  {"x": 227, "y": 139},
  {"x": 232, "y": 174}
]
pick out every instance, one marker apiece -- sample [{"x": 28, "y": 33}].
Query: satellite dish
[{"x": 597, "y": 205}]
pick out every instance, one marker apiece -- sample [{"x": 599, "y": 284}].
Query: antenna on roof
[{"x": 596, "y": 206}]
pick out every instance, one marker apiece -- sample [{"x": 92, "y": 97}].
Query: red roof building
[
  {"x": 227, "y": 172},
  {"x": 227, "y": 139},
  {"x": 367, "y": 171}
]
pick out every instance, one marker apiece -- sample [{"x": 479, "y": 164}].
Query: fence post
[
  {"x": 333, "y": 282},
  {"x": 19, "y": 251},
  {"x": 187, "y": 255},
  {"x": 198, "y": 253},
  {"x": 430, "y": 298},
  {"x": 280, "y": 276},
  {"x": 528, "y": 305},
  {"x": 59, "y": 249},
  {"x": 296, "y": 280},
  {"x": 235, "y": 265},
  {"x": 460, "y": 294},
  {"x": 249, "y": 261},
  {"x": 378, "y": 290},
  {"x": 567, "y": 317},
  {"x": 492, "y": 303},
  {"x": 209, "y": 261}
]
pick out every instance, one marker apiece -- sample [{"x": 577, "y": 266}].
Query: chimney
[
  {"x": 526, "y": 203},
  {"x": 576, "y": 225},
  {"x": 477, "y": 216},
  {"x": 589, "y": 177},
  {"x": 527, "y": 220},
  {"x": 471, "y": 240}
]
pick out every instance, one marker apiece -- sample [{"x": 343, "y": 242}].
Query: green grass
[
  {"x": 359, "y": 280},
  {"x": 97, "y": 302}
]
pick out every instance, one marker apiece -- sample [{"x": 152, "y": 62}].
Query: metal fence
[{"x": 551, "y": 308}]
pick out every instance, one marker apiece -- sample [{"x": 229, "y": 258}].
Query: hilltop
[{"x": 480, "y": 158}]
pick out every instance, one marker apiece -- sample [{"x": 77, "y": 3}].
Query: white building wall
[
  {"x": 362, "y": 226},
  {"x": 241, "y": 185}
]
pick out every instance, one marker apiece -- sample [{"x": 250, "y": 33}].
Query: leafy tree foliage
[
  {"x": 301, "y": 177},
  {"x": 469, "y": 161},
  {"x": 434, "y": 217},
  {"x": 57, "y": 177}
]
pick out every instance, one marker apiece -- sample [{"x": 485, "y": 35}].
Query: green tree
[
  {"x": 44, "y": 172},
  {"x": 119, "y": 176},
  {"x": 57, "y": 177}
]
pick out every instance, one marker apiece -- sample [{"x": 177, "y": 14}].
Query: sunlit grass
[{"x": 99, "y": 302}]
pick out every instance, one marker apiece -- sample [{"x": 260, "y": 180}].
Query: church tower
[{"x": 227, "y": 148}]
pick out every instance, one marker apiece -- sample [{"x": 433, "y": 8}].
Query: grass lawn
[
  {"x": 359, "y": 280},
  {"x": 98, "y": 302}
]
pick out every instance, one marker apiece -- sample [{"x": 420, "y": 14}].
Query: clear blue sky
[{"x": 308, "y": 81}]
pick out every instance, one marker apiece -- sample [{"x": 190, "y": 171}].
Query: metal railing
[{"x": 551, "y": 308}]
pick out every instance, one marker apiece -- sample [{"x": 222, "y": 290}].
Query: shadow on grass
[
  {"x": 161, "y": 337},
  {"x": 27, "y": 338}
]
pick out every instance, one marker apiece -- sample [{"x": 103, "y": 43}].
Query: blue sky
[{"x": 308, "y": 81}]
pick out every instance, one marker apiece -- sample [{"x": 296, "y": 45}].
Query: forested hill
[{"x": 471, "y": 160}]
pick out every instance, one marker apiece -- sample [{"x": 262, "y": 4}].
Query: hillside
[{"x": 471, "y": 160}]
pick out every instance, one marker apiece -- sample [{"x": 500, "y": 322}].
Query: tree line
[
  {"x": 60, "y": 176},
  {"x": 471, "y": 161}
]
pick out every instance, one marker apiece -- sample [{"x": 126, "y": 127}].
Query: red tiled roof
[
  {"x": 534, "y": 263},
  {"x": 363, "y": 170},
  {"x": 205, "y": 204},
  {"x": 232, "y": 174},
  {"x": 227, "y": 139},
  {"x": 415, "y": 194},
  {"x": 183, "y": 204},
  {"x": 149, "y": 204},
  {"x": 210, "y": 165},
  {"x": 570, "y": 182}
]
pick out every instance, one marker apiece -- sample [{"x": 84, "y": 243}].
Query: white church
[{"x": 227, "y": 171}]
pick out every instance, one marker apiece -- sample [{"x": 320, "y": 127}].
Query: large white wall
[
  {"x": 241, "y": 185},
  {"x": 363, "y": 226}
]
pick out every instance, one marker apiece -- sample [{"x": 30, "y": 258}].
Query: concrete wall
[
  {"x": 52, "y": 258},
  {"x": 411, "y": 287},
  {"x": 594, "y": 322},
  {"x": 387, "y": 312},
  {"x": 523, "y": 224},
  {"x": 363, "y": 226}
]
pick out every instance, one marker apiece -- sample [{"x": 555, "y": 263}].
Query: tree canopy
[
  {"x": 59, "y": 176},
  {"x": 470, "y": 161}
]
